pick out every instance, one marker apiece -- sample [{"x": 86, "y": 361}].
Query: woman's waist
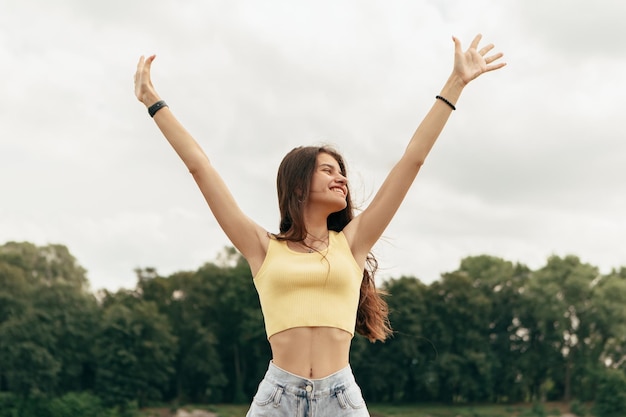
[
  {"x": 315, "y": 387},
  {"x": 311, "y": 352}
]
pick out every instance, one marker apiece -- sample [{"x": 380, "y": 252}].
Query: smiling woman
[{"x": 315, "y": 277}]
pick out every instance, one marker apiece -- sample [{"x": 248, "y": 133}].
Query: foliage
[
  {"x": 578, "y": 408},
  {"x": 491, "y": 331},
  {"x": 611, "y": 398},
  {"x": 8, "y": 403},
  {"x": 134, "y": 351},
  {"x": 46, "y": 325},
  {"x": 74, "y": 404}
]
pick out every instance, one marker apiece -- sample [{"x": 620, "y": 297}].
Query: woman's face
[{"x": 329, "y": 188}]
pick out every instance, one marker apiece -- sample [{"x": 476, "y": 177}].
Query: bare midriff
[{"x": 311, "y": 352}]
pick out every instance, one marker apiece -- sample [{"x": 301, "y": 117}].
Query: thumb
[
  {"x": 457, "y": 45},
  {"x": 148, "y": 62}
]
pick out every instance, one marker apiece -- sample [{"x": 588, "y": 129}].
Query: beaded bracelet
[{"x": 445, "y": 100}]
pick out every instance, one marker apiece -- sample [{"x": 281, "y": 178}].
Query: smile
[{"x": 338, "y": 190}]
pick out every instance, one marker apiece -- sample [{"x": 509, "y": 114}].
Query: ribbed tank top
[{"x": 319, "y": 289}]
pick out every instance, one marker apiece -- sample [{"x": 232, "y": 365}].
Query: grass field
[{"x": 551, "y": 409}]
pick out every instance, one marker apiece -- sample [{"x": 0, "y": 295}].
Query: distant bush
[
  {"x": 8, "y": 402},
  {"x": 12, "y": 405},
  {"x": 554, "y": 412},
  {"x": 129, "y": 409},
  {"x": 75, "y": 404},
  {"x": 537, "y": 410},
  {"x": 578, "y": 408},
  {"x": 611, "y": 397}
]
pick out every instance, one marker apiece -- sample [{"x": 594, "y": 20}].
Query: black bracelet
[
  {"x": 156, "y": 107},
  {"x": 445, "y": 100}
]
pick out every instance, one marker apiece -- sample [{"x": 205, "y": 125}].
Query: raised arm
[
  {"x": 248, "y": 237},
  {"x": 366, "y": 228}
]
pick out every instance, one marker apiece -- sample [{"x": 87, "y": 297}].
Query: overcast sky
[{"x": 533, "y": 162}]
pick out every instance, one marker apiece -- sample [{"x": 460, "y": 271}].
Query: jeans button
[{"x": 308, "y": 388}]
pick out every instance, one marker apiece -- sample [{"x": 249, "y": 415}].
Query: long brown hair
[{"x": 293, "y": 182}]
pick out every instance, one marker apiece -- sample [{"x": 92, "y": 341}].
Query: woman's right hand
[
  {"x": 473, "y": 62},
  {"x": 144, "y": 90}
]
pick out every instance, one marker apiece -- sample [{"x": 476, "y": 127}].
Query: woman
[{"x": 314, "y": 277}]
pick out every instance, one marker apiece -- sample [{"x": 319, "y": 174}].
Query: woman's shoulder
[{"x": 336, "y": 236}]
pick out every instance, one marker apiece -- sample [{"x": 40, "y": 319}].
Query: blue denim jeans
[{"x": 283, "y": 394}]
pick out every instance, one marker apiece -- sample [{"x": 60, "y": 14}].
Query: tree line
[{"x": 492, "y": 331}]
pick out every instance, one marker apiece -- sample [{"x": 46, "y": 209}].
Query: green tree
[
  {"x": 28, "y": 364},
  {"x": 559, "y": 319},
  {"x": 393, "y": 371},
  {"x": 13, "y": 291},
  {"x": 216, "y": 317},
  {"x": 46, "y": 320},
  {"x": 609, "y": 336},
  {"x": 463, "y": 370},
  {"x": 233, "y": 315},
  {"x": 184, "y": 298},
  {"x": 502, "y": 282},
  {"x": 45, "y": 264},
  {"x": 135, "y": 351},
  {"x": 73, "y": 316}
]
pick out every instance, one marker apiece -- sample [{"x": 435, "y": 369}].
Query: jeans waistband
[{"x": 315, "y": 388}]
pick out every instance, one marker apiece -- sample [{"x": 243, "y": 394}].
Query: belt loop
[
  {"x": 342, "y": 399},
  {"x": 277, "y": 396}
]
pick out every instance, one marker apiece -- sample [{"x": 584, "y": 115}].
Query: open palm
[{"x": 469, "y": 64}]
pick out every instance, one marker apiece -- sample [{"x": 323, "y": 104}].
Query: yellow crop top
[{"x": 319, "y": 289}]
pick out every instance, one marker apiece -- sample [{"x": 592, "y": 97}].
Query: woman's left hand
[
  {"x": 144, "y": 90},
  {"x": 470, "y": 64}
]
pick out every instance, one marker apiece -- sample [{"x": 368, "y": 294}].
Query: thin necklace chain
[{"x": 313, "y": 239}]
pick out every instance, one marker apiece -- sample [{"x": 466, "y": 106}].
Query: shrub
[
  {"x": 128, "y": 409},
  {"x": 578, "y": 408},
  {"x": 8, "y": 402},
  {"x": 12, "y": 405},
  {"x": 539, "y": 410},
  {"x": 611, "y": 397},
  {"x": 74, "y": 404}
]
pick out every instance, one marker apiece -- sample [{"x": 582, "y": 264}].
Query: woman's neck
[{"x": 315, "y": 225}]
